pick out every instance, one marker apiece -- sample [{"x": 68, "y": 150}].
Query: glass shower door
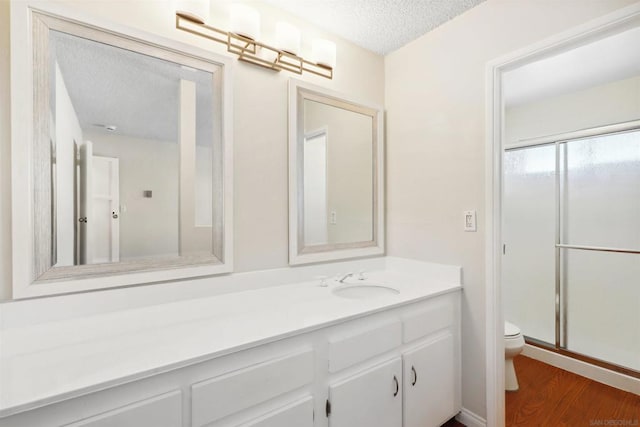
[
  {"x": 571, "y": 264},
  {"x": 600, "y": 231},
  {"x": 530, "y": 235}
]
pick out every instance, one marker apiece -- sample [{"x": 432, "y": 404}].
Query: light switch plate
[
  {"x": 470, "y": 221},
  {"x": 333, "y": 217}
]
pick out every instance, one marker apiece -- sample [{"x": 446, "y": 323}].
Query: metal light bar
[
  {"x": 248, "y": 49},
  {"x": 598, "y": 249}
]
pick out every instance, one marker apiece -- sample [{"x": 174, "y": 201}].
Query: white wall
[
  {"x": 435, "y": 100},
  {"x": 204, "y": 186},
  {"x": 260, "y": 121},
  {"x": 614, "y": 102},
  {"x": 67, "y": 134},
  {"x": 148, "y": 226},
  {"x": 315, "y": 190}
]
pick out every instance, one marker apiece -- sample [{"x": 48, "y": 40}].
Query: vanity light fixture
[{"x": 242, "y": 39}]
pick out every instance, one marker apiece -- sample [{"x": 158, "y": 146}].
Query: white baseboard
[
  {"x": 593, "y": 372},
  {"x": 471, "y": 419}
]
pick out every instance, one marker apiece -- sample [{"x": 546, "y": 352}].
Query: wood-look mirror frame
[
  {"x": 33, "y": 274},
  {"x": 300, "y": 91}
]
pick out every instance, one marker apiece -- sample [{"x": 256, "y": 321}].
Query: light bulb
[
  {"x": 194, "y": 10},
  {"x": 287, "y": 38},
  {"x": 323, "y": 52},
  {"x": 244, "y": 21}
]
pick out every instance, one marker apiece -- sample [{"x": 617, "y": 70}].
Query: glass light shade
[
  {"x": 323, "y": 52},
  {"x": 195, "y": 10},
  {"x": 244, "y": 21},
  {"x": 287, "y": 38}
]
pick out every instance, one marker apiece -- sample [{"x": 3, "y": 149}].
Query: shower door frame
[
  {"x": 561, "y": 308},
  {"x": 616, "y": 21}
]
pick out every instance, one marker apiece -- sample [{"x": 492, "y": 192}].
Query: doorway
[{"x": 615, "y": 23}]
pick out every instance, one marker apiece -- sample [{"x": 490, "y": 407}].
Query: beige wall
[
  {"x": 435, "y": 101},
  {"x": 149, "y": 226},
  {"x": 349, "y": 170},
  {"x": 260, "y": 122}
]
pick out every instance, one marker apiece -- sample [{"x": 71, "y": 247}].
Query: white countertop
[{"x": 52, "y": 361}]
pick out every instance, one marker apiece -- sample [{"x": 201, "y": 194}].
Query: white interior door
[
  {"x": 315, "y": 189},
  {"x": 85, "y": 237},
  {"x": 105, "y": 223},
  {"x": 99, "y": 208}
]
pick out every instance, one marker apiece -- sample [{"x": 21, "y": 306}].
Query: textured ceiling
[
  {"x": 138, "y": 94},
  {"x": 380, "y": 26},
  {"x": 603, "y": 61}
]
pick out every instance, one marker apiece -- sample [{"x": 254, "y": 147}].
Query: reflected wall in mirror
[
  {"x": 128, "y": 158},
  {"x": 335, "y": 175}
]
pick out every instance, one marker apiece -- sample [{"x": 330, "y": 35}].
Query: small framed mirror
[
  {"x": 336, "y": 176},
  {"x": 122, "y": 157}
]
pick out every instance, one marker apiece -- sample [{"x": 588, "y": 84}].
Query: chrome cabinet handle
[
  {"x": 415, "y": 376},
  {"x": 395, "y": 379}
]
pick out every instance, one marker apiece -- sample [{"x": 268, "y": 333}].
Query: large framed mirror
[
  {"x": 121, "y": 157},
  {"x": 336, "y": 176}
]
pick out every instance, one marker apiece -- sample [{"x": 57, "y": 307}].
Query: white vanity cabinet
[
  {"x": 418, "y": 382},
  {"x": 398, "y": 366}
]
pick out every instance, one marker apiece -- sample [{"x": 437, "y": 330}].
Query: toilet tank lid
[{"x": 510, "y": 329}]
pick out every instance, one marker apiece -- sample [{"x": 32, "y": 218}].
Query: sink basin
[{"x": 364, "y": 290}]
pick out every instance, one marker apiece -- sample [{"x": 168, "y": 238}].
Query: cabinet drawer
[
  {"x": 164, "y": 410},
  {"x": 227, "y": 394},
  {"x": 345, "y": 351},
  {"x": 433, "y": 318},
  {"x": 298, "y": 414}
]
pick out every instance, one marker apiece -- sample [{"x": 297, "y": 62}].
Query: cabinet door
[
  {"x": 430, "y": 383},
  {"x": 372, "y": 398}
]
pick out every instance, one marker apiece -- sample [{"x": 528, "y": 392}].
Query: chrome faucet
[{"x": 345, "y": 277}]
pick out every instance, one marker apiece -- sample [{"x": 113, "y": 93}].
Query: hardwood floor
[
  {"x": 549, "y": 396},
  {"x": 453, "y": 423}
]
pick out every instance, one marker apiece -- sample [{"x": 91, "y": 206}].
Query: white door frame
[{"x": 619, "y": 20}]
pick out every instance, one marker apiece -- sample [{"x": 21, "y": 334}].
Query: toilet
[{"x": 513, "y": 345}]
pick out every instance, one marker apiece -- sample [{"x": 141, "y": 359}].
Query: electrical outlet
[
  {"x": 334, "y": 217},
  {"x": 470, "y": 221}
]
